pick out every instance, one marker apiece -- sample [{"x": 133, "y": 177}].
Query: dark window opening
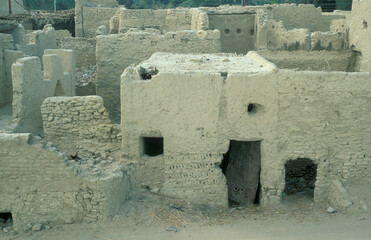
[
  {"x": 251, "y": 108},
  {"x": 6, "y": 219},
  {"x": 300, "y": 177},
  {"x": 238, "y": 31},
  {"x": 241, "y": 165},
  {"x": 227, "y": 31},
  {"x": 153, "y": 146}
]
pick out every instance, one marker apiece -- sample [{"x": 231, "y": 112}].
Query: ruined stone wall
[
  {"x": 77, "y": 118},
  {"x": 115, "y": 52},
  {"x": 41, "y": 186},
  {"x": 321, "y": 116},
  {"x": 360, "y": 32},
  {"x": 31, "y": 85}
]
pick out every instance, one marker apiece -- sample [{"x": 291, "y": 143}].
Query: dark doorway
[
  {"x": 6, "y": 219},
  {"x": 152, "y": 146},
  {"x": 300, "y": 177},
  {"x": 241, "y": 166}
]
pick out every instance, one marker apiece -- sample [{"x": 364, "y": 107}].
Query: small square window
[{"x": 152, "y": 146}]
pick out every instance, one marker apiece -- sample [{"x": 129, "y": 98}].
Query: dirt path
[{"x": 158, "y": 218}]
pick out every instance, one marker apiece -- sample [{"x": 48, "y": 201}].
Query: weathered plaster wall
[
  {"x": 321, "y": 116},
  {"x": 360, "y": 32},
  {"x": 31, "y": 86},
  {"x": 41, "y": 186},
  {"x": 77, "y": 118},
  {"x": 115, "y": 52}
]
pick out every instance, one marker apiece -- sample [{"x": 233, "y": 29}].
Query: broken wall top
[{"x": 250, "y": 64}]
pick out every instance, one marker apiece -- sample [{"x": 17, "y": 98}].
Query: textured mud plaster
[
  {"x": 115, "y": 52},
  {"x": 324, "y": 117},
  {"x": 31, "y": 86},
  {"x": 39, "y": 185},
  {"x": 360, "y": 32},
  {"x": 77, "y": 118}
]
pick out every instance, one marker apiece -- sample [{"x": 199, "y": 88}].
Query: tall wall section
[{"x": 360, "y": 32}]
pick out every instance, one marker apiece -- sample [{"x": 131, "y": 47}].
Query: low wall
[
  {"x": 311, "y": 60},
  {"x": 77, "y": 118},
  {"x": 41, "y": 186}
]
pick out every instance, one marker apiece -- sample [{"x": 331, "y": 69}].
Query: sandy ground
[{"x": 154, "y": 217}]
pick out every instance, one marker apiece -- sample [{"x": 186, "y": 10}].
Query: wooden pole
[
  {"x": 10, "y": 6},
  {"x": 55, "y": 5},
  {"x": 43, "y": 4}
]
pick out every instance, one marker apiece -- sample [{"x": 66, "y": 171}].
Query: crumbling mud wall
[
  {"x": 41, "y": 186},
  {"x": 17, "y": 45},
  {"x": 305, "y": 16},
  {"x": 78, "y": 118},
  {"x": 212, "y": 101},
  {"x": 163, "y": 19},
  {"x": 115, "y": 52},
  {"x": 31, "y": 86},
  {"x": 360, "y": 32}
]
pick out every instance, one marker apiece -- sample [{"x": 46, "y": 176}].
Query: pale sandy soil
[{"x": 153, "y": 217}]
